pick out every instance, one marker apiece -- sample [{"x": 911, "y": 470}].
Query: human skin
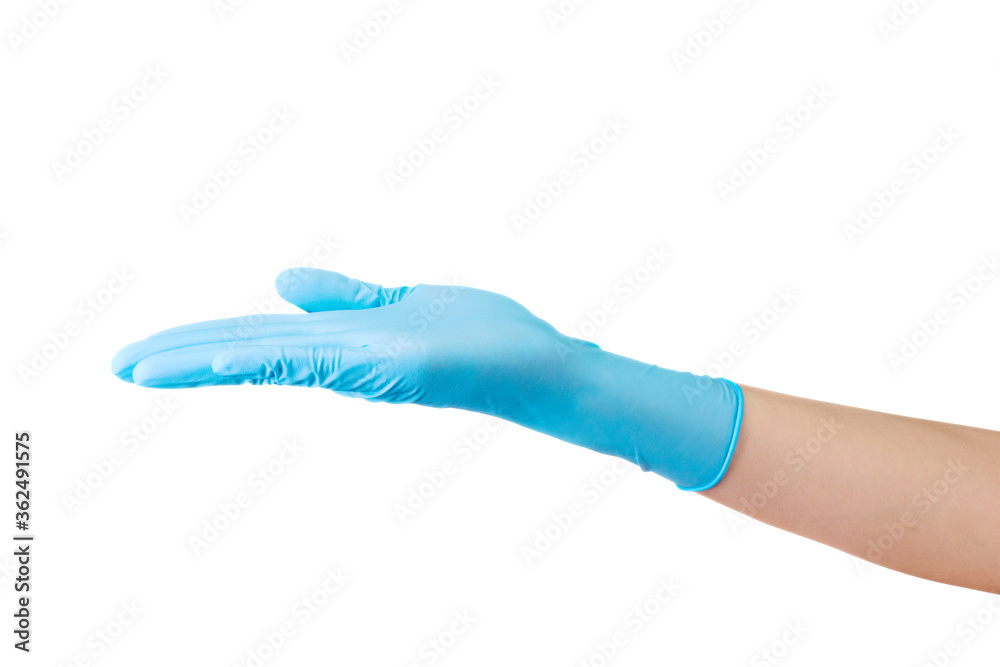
[{"x": 913, "y": 495}]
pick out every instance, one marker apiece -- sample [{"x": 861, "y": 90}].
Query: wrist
[{"x": 682, "y": 426}]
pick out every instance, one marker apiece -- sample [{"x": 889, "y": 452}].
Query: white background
[{"x": 321, "y": 182}]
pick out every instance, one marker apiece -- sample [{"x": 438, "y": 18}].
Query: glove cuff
[{"x": 737, "y": 422}]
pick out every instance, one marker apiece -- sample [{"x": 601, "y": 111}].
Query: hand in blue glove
[{"x": 457, "y": 347}]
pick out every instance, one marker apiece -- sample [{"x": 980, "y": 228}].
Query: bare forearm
[{"x": 916, "y": 496}]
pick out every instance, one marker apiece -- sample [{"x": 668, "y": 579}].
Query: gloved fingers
[
  {"x": 237, "y": 322},
  {"x": 342, "y": 369},
  {"x": 131, "y": 357},
  {"x": 183, "y": 368},
  {"x": 315, "y": 290},
  {"x": 233, "y": 332},
  {"x": 192, "y": 366}
]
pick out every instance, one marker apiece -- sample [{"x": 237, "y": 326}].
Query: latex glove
[{"x": 457, "y": 347}]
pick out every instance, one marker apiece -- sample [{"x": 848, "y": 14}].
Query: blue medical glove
[{"x": 457, "y": 347}]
